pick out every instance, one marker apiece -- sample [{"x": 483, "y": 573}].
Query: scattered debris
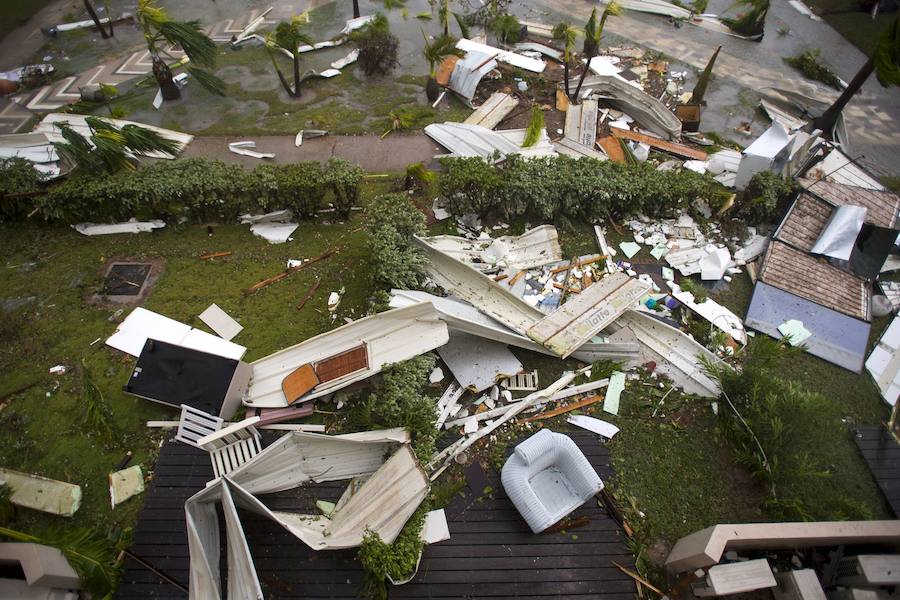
[
  {"x": 587, "y": 401},
  {"x": 477, "y": 364},
  {"x": 127, "y": 227},
  {"x": 613, "y": 392},
  {"x": 220, "y": 322},
  {"x": 245, "y": 149},
  {"x": 493, "y": 110},
  {"x": 125, "y": 484},
  {"x": 794, "y": 331},
  {"x": 517, "y": 60},
  {"x": 291, "y": 270},
  {"x": 603, "y": 428},
  {"x": 39, "y": 493}
]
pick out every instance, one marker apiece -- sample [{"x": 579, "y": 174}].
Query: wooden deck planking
[
  {"x": 491, "y": 553},
  {"x": 882, "y": 454}
]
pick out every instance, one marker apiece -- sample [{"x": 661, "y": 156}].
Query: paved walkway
[
  {"x": 372, "y": 153},
  {"x": 872, "y": 117}
]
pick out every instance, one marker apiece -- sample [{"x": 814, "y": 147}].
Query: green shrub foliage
[
  {"x": 17, "y": 176},
  {"x": 395, "y": 261},
  {"x": 765, "y": 198},
  {"x": 560, "y": 189},
  {"x": 200, "y": 190}
]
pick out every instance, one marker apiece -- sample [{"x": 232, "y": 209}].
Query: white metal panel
[
  {"x": 516, "y": 60},
  {"x": 132, "y": 334},
  {"x": 477, "y": 364},
  {"x": 391, "y": 336},
  {"x": 536, "y": 247}
]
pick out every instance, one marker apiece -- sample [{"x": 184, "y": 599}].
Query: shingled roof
[
  {"x": 816, "y": 280},
  {"x": 804, "y": 222},
  {"x": 882, "y": 207}
]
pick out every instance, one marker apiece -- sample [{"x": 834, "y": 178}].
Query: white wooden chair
[
  {"x": 196, "y": 424},
  {"x": 232, "y": 446}
]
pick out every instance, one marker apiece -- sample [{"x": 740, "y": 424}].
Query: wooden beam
[
  {"x": 612, "y": 148},
  {"x": 654, "y": 142},
  {"x": 564, "y": 409}
]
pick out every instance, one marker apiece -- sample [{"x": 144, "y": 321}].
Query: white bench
[
  {"x": 232, "y": 446},
  {"x": 196, "y": 424}
]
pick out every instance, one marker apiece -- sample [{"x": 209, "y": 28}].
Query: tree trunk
[
  {"x": 827, "y": 121},
  {"x": 163, "y": 75},
  {"x": 355, "y": 9},
  {"x": 93, "y": 14},
  {"x": 432, "y": 89},
  {"x": 587, "y": 67},
  {"x": 566, "y": 76},
  {"x": 296, "y": 93}
]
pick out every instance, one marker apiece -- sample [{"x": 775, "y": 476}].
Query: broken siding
[
  {"x": 579, "y": 319},
  {"x": 881, "y": 207},
  {"x": 390, "y": 337},
  {"x": 581, "y": 123},
  {"x": 816, "y": 280},
  {"x": 804, "y": 222},
  {"x": 493, "y": 111}
]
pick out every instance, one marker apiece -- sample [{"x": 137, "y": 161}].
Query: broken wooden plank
[
  {"x": 577, "y": 263},
  {"x": 574, "y": 323},
  {"x": 448, "y": 402},
  {"x": 638, "y": 578},
  {"x": 40, "y": 493},
  {"x": 612, "y": 147},
  {"x": 493, "y": 111},
  {"x": 581, "y": 123},
  {"x": 290, "y": 271},
  {"x": 660, "y": 144},
  {"x": 215, "y": 255},
  {"x": 564, "y": 409},
  {"x": 309, "y": 294}
]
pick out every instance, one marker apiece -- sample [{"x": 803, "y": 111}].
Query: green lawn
[{"x": 59, "y": 268}]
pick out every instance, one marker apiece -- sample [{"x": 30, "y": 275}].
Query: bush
[
  {"x": 507, "y": 29},
  {"x": 343, "y": 178},
  {"x": 395, "y": 261},
  {"x": 559, "y": 189},
  {"x": 17, "y": 176},
  {"x": 397, "y": 560},
  {"x": 399, "y": 402},
  {"x": 299, "y": 186},
  {"x": 787, "y": 422},
  {"x": 765, "y": 197},
  {"x": 202, "y": 190},
  {"x": 809, "y": 62},
  {"x": 377, "y": 47}
]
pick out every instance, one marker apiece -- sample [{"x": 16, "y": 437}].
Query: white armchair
[{"x": 547, "y": 477}]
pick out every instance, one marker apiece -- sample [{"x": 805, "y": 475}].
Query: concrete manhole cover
[{"x": 126, "y": 279}]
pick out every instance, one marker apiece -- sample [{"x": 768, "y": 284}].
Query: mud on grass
[{"x": 58, "y": 268}]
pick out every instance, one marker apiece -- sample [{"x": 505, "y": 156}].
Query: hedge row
[
  {"x": 201, "y": 190},
  {"x": 562, "y": 188}
]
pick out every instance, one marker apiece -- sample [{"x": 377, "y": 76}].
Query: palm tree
[
  {"x": 567, "y": 34},
  {"x": 109, "y": 149},
  {"x": 444, "y": 16},
  {"x": 703, "y": 80},
  {"x": 884, "y": 62},
  {"x": 355, "y": 9},
  {"x": 592, "y": 34},
  {"x": 93, "y": 14},
  {"x": 289, "y": 36},
  {"x": 435, "y": 52},
  {"x": 158, "y": 27}
]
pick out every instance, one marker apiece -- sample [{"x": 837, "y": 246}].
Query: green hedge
[
  {"x": 563, "y": 188},
  {"x": 201, "y": 190}
]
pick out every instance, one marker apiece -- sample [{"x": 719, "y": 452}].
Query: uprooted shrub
[
  {"x": 377, "y": 47},
  {"x": 764, "y": 198},
  {"x": 809, "y": 62},
  {"x": 561, "y": 189},
  {"x": 397, "y": 560},
  {"x": 395, "y": 261},
  {"x": 774, "y": 428}
]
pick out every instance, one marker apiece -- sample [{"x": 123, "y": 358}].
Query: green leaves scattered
[{"x": 535, "y": 128}]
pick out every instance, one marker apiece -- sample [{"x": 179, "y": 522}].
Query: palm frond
[
  {"x": 887, "y": 55},
  {"x": 591, "y": 39},
  {"x": 92, "y": 557},
  {"x": 207, "y": 80},
  {"x": 143, "y": 141},
  {"x": 535, "y": 128},
  {"x": 461, "y": 21},
  {"x": 195, "y": 43},
  {"x": 149, "y": 12}
]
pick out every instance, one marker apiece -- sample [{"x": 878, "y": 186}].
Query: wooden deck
[
  {"x": 491, "y": 552},
  {"x": 882, "y": 453}
]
